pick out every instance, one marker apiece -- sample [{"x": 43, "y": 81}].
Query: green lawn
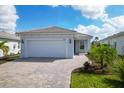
[{"x": 85, "y": 80}]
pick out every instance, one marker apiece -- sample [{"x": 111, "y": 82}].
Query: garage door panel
[{"x": 46, "y": 48}]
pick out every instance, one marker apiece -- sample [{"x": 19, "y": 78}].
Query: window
[
  {"x": 115, "y": 44},
  {"x": 14, "y": 46},
  {"x": 108, "y": 42},
  {"x": 69, "y": 41},
  {"x": 82, "y": 45},
  {"x": 18, "y": 45},
  {"x": 122, "y": 49}
]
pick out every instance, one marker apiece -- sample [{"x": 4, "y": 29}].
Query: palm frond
[{"x": 4, "y": 48}]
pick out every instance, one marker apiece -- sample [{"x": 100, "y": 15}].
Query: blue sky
[
  {"x": 32, "y": 17},
  {"x": 96, "y": 20}
]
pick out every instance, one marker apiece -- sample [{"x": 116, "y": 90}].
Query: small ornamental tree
[
  {"x": 4, "y": 48},
  {"x": 103, "y": 54}
]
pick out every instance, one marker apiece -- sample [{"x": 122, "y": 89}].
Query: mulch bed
[{"x": 8, "y": 58}]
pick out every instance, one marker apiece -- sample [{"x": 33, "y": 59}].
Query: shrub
[
  {"x": 118, "y": 68},
  {"x": 103, "y": 54}
]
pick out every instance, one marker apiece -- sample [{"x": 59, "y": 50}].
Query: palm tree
[
  {"x": 96, "y": 39},
  {"x": 4, "y": 48}
]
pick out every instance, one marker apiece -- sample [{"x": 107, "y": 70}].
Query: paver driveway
[{"x": 37, "y": 72}]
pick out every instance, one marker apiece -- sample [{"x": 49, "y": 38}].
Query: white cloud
[
  {"x": 93, "y": 30},
  {"x": 8, "y": 18},
  {"x": 54, "y": 6},
  {"x": 92, "y": 11},
  {"x": 107, "y": 29},
  {"x": 117, "y": 22},
  {"x": 110, "y": 25}
]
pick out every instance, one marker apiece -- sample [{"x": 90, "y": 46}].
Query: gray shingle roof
[
  {"x": 114, "y": 36},
  {"x": 53, "y": 29},
  {"x": 6, "y": 35}
]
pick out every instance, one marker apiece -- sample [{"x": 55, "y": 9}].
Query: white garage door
[{"x": 46, "y": 48}]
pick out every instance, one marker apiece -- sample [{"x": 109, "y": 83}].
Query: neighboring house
[
  {"x": 53, "y": 42},
  {"x": 13, "y": 42},
  {"x": 116, "y": 41}
]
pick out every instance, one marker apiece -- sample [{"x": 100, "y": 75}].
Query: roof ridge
[
  {"x": 46, "y": 28},
  {"x": 111, "y": 36}
]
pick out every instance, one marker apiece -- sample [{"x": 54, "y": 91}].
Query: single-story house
[
  {"x": 116, "y": 41},
  {"x": 53, "y": 42},
  {"x": 12, "y": 41}
]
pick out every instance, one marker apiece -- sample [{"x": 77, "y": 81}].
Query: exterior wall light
[
  {"x": 22, "y": 41},
  {"x": 69, "y": 41}
]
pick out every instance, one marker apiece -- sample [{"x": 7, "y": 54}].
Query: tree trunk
[{"x": 102, "y": 64}]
